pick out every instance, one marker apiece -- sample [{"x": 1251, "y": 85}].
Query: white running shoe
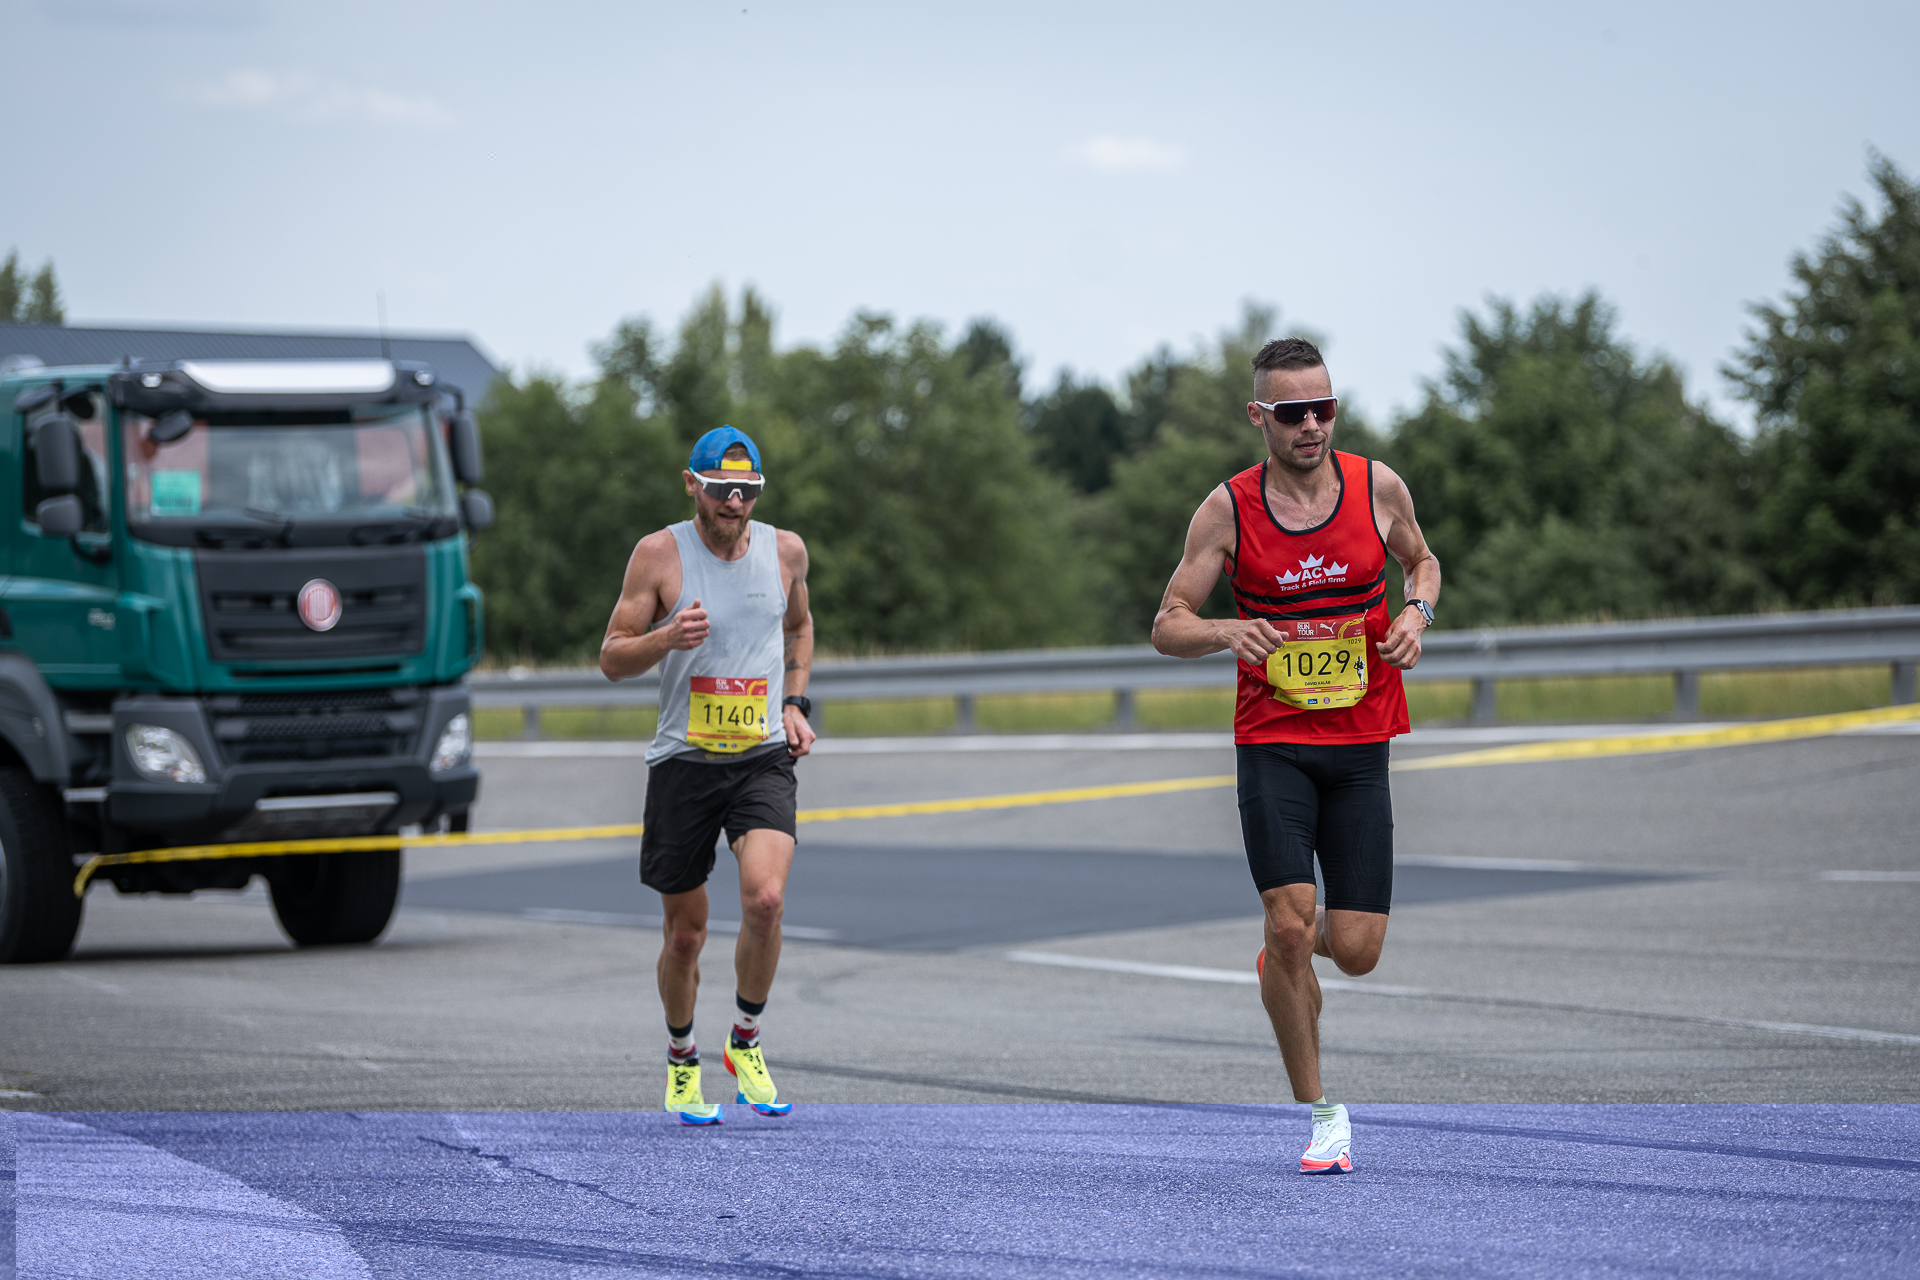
[{"x": 1329, "y": 1152}]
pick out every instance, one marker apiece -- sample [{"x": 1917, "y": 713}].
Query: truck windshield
[{"x": 349, "y": 464}]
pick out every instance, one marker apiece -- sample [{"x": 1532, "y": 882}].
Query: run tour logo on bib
[{"x": 1313, "y": 571}]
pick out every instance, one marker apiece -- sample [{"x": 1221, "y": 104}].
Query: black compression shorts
[
  {"x": 1297, "y": 798},
  {"x": 690, "y": 801}
]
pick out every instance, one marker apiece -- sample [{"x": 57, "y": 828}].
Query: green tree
[
  {"x": 898, "y": 456},
  {"x": 1079, "y": 430},
  {"x": 914, "y": 485},
  {"x": 25, "y": 300},
  {"x": 577, "y": 476},
  {"x": 1833, "y": 372},
  {"x": 1558, "y": 476}
]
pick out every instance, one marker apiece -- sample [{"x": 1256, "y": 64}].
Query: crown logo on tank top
[{"x": 1312, "y": 570}]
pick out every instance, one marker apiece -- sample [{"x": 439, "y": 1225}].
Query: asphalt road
[{"x": 1691, "y": 952}]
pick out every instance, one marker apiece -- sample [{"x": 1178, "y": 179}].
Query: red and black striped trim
[
  {"x": 1321, "y": 593},
  {"x": 1328, "y": 611}
]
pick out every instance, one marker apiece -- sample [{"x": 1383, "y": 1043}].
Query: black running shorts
[
  {"x": 690, "y": 801},
  {"x": 1296, "y": 799}
]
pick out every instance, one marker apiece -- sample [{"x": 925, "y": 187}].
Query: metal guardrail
[{"x": 1683, "y": 648}]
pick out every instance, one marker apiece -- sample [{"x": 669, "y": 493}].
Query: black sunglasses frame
[{"x": 1296, "y": 411}]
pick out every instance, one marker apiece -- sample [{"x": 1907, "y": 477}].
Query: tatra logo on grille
[{"x": 320, "y": 605}]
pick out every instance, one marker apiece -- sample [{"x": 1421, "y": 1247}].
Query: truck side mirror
[
  {"x": 171, "y": 425},
  {"x": 464, "y": 437},
  {"x": 56, "y": 451},
  {"x": 60, "y": 517},
  {"x": 476, "y": 508},
  {"x": 33, "y": 397}
]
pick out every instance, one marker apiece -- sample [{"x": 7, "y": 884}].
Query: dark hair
[{"x": 1287, "y": 353}]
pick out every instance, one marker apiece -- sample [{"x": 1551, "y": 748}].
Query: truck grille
[
  {"x": 248, "y": 600},
  {"x": 257, "y": 728}
]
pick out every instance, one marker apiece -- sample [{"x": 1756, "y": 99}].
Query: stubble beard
[
  {"x": 1287, "y": 459},
  {"x": 719, "y": 536}
]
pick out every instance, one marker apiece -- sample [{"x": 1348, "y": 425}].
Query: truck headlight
[
  {"x": 455, "y": 745},
  {"x": 164, "y": 755}
]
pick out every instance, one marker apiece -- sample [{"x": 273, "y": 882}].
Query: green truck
[{"x": 234, "y": 607}]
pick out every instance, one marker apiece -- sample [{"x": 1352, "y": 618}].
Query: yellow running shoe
[
  {"x": 684, "y": 1100},
  {"x": 756, "y": 1086}
]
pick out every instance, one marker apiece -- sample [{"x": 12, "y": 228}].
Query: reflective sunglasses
[
  {"x": 726, "y": 486},
  {"x": 1292, "y": 413}
]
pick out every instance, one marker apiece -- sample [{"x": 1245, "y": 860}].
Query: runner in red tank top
[{"x": 1305, "y": 545}]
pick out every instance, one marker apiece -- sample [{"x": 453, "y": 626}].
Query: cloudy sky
[{"x": 1101, "y": 178}]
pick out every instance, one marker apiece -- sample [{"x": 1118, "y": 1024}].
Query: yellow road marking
[
  {"x": 553, "y": 835},
  {"x": 1674, "y": 740},
  {"x": 1118, "y": 791},
  {"x": 1570, "y": 749}
]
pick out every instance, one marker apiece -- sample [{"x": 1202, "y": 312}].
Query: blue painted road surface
[{"x": 988, "y": 1191}]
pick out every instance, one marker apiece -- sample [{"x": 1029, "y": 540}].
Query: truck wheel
[
  {"x": 457, "y": 822},
  {"x": 329, "y": 899},
  {"x": 38, "y": 913}
]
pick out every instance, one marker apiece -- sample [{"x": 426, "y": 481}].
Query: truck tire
[
  {"x": 334, "y": 899},
  {"x": 38, "y": 913}
]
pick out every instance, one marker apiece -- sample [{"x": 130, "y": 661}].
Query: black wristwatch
[
  {"x": 1426, "y": 610},
  {"x": 801, "y": 701}
]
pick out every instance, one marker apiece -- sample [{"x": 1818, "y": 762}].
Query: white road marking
[
  {"x": 1191, "y": 973},
  {"x": 96, "y": 1203},
  {"x": 1883, "y": 877},
  {"x": 566, "y": 915},
  {"x": 1497, "y": 864}
]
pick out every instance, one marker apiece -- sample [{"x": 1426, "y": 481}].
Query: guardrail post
[
  {"x": 1904, "y": 692},
  {"x": 1485, "y": 702},
  {"x": 1686, "y": 695},
  {"x": 530, "y": 722},
  {"x": 1125, "y": 714},
  {"x": 963, "y": 713}
]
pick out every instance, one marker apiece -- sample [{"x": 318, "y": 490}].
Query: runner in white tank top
[{"x": 719, "y": 604}]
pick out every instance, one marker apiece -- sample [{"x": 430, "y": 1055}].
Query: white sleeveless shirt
[{"x": 721, "y": 701}]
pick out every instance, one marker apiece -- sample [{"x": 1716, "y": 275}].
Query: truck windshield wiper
[{"x": 285, "y": 523}]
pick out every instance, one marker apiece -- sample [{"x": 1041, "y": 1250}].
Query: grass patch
[
  {"x": 1043, "y": 712},
  {"x": 1184, "y": 708},
  {"x": 1723, "y": 695},
  {"x": 1586, "y": 698},
  {"x": 1441, "y": 700},
  {"x": 1810, "y": 691},
  {"x": 889, "y": 718},
  {"x": 496, "y": 724}
]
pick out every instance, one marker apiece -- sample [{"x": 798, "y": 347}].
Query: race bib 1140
[
  {"x": 1323, "y": 663},
  {"x": 726, "y": 713}
]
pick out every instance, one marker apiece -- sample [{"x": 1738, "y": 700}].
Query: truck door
[{"x": 61, "y": 594}]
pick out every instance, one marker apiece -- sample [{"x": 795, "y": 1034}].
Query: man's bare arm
[
  {"x": 1401, "y": 647},
  {"x": 631, "y": 648},
  {"x": 797, "y": 633},
  {"x": 1178, "y": 629}
]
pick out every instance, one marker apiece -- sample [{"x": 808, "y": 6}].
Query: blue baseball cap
[{"x": 710, "y": 448}]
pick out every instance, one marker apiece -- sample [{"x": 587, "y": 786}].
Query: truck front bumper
[{"x": 387, "y": 791}]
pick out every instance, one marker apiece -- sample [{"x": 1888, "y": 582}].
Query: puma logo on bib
[
  {"x": 726, "y": 713},
  {"x": 1323, "y": 663}
]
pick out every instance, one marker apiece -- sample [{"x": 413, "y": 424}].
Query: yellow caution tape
[
  {"x": 627, "y": 830},
  {"x": 1673, "y": 740}
]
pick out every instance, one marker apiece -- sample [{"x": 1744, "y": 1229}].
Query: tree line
[
  {"x": 1560, "y": 472},
  {"x": 29, "y": 297}
]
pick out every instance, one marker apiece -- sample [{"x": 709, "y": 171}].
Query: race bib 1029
[
  {"x": 726, "y": 713},
  {"x": 1323, "y": 663}
]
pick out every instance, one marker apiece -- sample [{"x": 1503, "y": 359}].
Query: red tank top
[{"x": 1324, "y": 581}]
